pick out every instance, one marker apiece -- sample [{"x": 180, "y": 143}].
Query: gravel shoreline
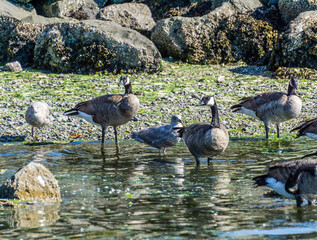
[{"x": 161, "y": 95}]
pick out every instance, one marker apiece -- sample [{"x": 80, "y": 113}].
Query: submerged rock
[{"x": 33, "y": 182}]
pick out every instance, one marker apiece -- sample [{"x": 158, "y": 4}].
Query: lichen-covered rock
[
  {"x": 17, "y": 40},
  {"x": 298, "y": 45},
  {"x": 13, "y": 67},
  {"x": 220, "y": 36},
  {"x": 79, "y": 9},
  {"x": 9, "y": 10},
  {"x": 290, "y": 9},
  {"x": 162, "y": 9},
  {"x": 94, "y": 45},
  {"x": 33, "y": 182},
  {"x": 136, "y": 16}
]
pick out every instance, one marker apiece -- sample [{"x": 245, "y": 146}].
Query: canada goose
[
  {"x": 109, "y": 110},
  {"x": 160, "y": 137},
  {"x": 37, "y": 115},
  {"x": 293, "y": 179},
  {"x": 272, "y": 107},
  {"x": 205, "y": 139},
  {"x": 307, "y": 128}
]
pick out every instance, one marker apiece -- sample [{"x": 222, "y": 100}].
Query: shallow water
[{"x": 139, "y": 194}]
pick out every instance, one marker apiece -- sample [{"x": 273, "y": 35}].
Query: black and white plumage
[
  {"x": 109, "y": 110},
  {"x": 37, "y": 115},
  {"x": 160, "y": 137},
  {"x": 272, "y": 107},
  {"x": 293, "y": 179},
  {"x": 205, "y": 139}
]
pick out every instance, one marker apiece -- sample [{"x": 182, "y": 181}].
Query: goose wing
[
  {"x": 152, "y": 134},
  {"x": 98, "y": 104},
  {"x": 282, "y": 171},
  {"x": 309, "y": 126},
  {"x": 255, "y": 102}
]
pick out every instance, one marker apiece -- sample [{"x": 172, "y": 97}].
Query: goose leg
[
  {"x": 103, "y": 135},
  {"x": 116, "y": 136},
  {"x": 299, "y": 201},
  {"x": 266, "y": 130},
  {"x": 278, "y": 130},
  {"x": 32, "y": 132},
  {"x": 197, "y": 160},
  {"x": 209, "y": 159}
]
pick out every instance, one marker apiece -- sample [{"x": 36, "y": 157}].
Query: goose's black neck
[
  {"x": 215, "y": 122},
  {"x": 291, "y": 90},
  {"x": 294, "y": 178},
  {"x": 128, "y": 89}
]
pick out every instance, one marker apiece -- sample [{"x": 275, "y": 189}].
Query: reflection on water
[{"x": 139, "y": 194}]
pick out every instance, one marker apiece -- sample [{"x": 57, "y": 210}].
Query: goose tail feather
[{"x": 71, "y": 112}]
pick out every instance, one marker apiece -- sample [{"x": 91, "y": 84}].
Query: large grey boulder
[
  {"x": 298, "y": 45},
  {"x": 290, "y": 9},
  {"x": 79, "y": 9},
  {"x": 239, "y": 5},
  {"x": 33, "y": 182},
  {"x": 136, "y": 16},
  {"x": 94, "y": 45},
  {"x": 220, "y": 36},
  {"x": 13, "y": 67},
  {"x": 7, "y": 9},
  {"x": 17, "y": 40}
]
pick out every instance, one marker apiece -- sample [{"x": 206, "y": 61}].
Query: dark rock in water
[
  {"x": 17, "y": 40},
  {"x": 297, "y": 47},
  {"x": 136, "y": 16},
  {"x": 94, "y": 45},
  {"x": 13, "y": 67},
  {"x": 33, "y": 182},
  {"x": 221, "y": 36}
]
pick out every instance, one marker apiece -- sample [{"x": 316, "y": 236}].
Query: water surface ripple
[{"x": 139, "y": 194}]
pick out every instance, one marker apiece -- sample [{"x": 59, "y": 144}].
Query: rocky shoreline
[{"x": 161, "y": 95}]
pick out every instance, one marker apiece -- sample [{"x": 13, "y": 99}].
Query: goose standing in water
[
  {"x": 272, "y": 107},
  {"x": 160, "y": 137},
  {"x": 293, "y": 179},
  {"x": 109, "y": 110},
  {"x": 37, "y": 115},
  {"x": 205, "y": 139}
]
